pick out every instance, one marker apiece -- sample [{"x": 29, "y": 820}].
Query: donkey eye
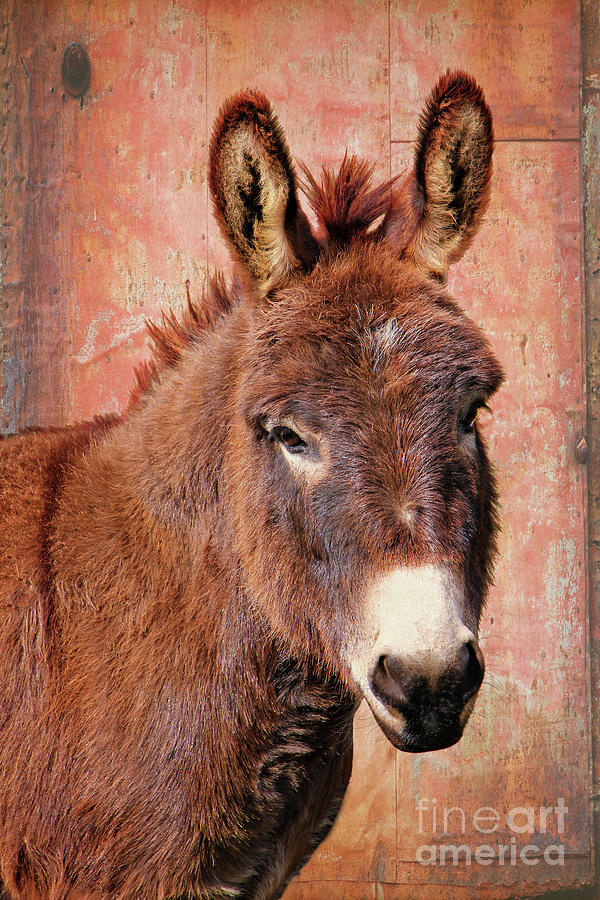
[
  {"x": 290, "y": 440},
  {"x": 468, "y": 420}
]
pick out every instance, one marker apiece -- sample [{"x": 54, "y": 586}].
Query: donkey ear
[
  {"x": 438, "y": 212},
  {"x": 254, "y": 192}
]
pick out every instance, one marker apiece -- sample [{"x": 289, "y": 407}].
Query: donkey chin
[{"x": 416, "y": 662}]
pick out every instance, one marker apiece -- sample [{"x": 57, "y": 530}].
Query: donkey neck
[
  {"x": 142, "y": 506},
  {"x": 173, "y": 446}
]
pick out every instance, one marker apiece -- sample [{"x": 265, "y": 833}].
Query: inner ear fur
[
  {"x": 254, "y": 193},
  {"x": 439, "y": 208}
]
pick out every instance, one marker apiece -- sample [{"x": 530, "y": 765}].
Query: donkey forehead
[
  {"x": 436, "y": 347},
  {"x": 410, "y": 346}
]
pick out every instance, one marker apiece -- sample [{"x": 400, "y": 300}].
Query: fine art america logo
[{"x": 521, "y": 821}]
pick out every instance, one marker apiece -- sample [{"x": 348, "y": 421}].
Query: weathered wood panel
[
  {"x": 591, "y": 194},
  {"x": 34, "y": 328},
  {"x": 323, "y": 65},
  {"x": 138, "y": 147},
  {"x": 525, "y": 52}
]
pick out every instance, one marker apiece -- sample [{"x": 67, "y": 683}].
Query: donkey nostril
[
  {"x": 389, "y": 682},
  {"x": 416, "y": 687},
  {"x": 473, "y": 669}
]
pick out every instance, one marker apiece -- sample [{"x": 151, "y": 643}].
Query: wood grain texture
[
  {"x": 590, "y": 152},
  {"x": 326, "y": 61},
  {"x": 525, "y": 53},
  {"x": 34, "y": 339}
]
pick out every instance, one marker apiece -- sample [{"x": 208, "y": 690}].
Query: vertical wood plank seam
[{"x": 590, "y": 182}]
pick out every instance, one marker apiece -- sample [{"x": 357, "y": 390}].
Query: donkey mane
[
  {"x": 344, "y": 202},
  {"x": 175, "y": 333}
]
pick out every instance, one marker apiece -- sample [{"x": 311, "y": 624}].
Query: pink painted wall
[{"x": 106, "y": 215}]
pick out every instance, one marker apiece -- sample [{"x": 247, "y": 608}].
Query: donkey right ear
[
  {"x": 438, "y": 211},
  {"x": 254, "y": 192}
]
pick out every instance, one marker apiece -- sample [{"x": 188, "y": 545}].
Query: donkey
[{"x": 295, "y": 512}]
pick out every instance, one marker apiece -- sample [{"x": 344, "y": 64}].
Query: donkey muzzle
[
  {"x": 419, "y": 666},
  {"x": 431, "y": 704}
]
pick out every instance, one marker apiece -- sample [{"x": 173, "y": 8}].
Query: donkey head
[{"x": 357, "y": 479}]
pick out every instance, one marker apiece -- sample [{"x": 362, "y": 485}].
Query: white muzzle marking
[{"x": 417, "y": 614}]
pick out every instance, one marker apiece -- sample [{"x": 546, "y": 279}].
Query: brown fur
[{"x": 176, "y": 604}]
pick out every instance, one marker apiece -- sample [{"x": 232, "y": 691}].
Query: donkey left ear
[
  {"x": 438, "y": 211},
  {"x": 254, "y": 192}
]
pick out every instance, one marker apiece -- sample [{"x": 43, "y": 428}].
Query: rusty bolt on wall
[{"x": 76, "y": 69}]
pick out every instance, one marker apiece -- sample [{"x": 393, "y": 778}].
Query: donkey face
[{"x": 360, "y": 490}]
